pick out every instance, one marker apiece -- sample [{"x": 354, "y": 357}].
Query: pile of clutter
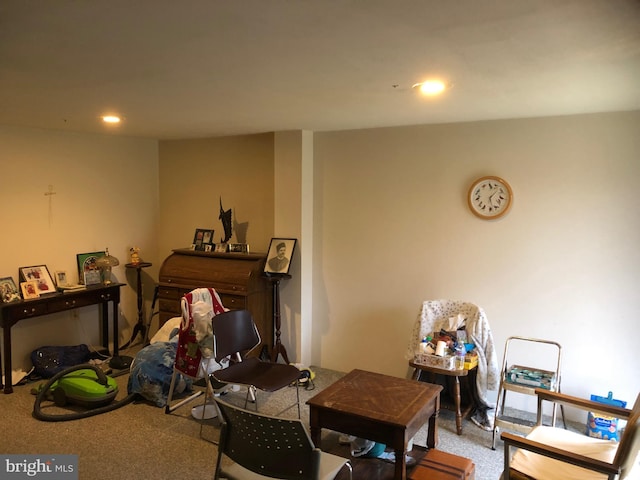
[{"x": 449, "y": 348}]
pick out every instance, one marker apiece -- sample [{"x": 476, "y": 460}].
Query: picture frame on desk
[
  {"x": 239, "y": 247},
  {"x": 29, "y": 289},
  {"x": 40, "y": 275},
  {"x": 61, "y": 278},
  {"x": 201, "y": 239},
  {"x": 88, "y": 270},
  {"x": 279, "y": 255},
  {"x": 8, "y": 290}
]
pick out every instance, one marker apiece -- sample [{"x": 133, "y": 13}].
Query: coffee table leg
[
  {"x": 432, "y": 435},
  {"x": 401, "y": 465}
]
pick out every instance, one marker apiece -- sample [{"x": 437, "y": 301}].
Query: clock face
[{"x": 490, "y": 197}]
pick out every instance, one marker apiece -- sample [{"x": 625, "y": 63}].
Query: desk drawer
[
  {"x": 169, "y": 292},
  {"x": 28, "y": 311},
  {"x": 170, "y": 306},
  {"x": 234, "y": 302},
  {"x": 62, "y": 304}
]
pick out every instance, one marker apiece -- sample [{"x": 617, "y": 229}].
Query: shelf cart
[{"x": 524, "y": 380}]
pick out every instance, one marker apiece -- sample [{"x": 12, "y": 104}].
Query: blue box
[{"x": 603, "y": 426}]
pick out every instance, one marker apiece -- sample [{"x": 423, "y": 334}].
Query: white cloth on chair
[
  {"x": 198, "y": 307},
  {"x": 433, "y": 316}
]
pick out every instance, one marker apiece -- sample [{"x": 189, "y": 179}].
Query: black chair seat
[{"x": 265, "y": 376}]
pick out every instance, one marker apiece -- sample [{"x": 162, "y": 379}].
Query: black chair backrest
[
  {"x": 270, "y": 446},
  {"x": 234, "y": 331}
]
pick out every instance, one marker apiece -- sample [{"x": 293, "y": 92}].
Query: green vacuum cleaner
[{"x": 84, "y": 385}]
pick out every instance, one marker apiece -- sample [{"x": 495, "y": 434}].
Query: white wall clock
[{"x": 490, "y": 197}]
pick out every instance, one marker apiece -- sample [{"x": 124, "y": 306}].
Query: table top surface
[{"x": 372, "y": 395}]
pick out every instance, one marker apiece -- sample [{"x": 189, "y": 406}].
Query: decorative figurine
[
  {"x": 135, "y": 255},
  {"x": 225, "y": 216}
]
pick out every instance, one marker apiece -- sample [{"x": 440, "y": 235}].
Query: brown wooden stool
[{"x": 439, "y": 465}]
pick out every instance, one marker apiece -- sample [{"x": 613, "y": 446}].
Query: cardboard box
[{"x": 470, "y": 361}]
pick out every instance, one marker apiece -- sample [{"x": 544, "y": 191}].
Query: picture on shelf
[
  {"x": 29, "y": 289},
  {"x": 41, "y": 276},
  {"x": 239, "y": 247},
  {"x": 279, "y": 255},
  {"x": 201, "y": 239},
  {"x": 88, "y": 270},
  {"x": 8, "y": 290},
  {"x": 61, "y": 278}
]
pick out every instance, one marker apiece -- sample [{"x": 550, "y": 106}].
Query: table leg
[
  {"x": 432, "y": 435},
  {"x": 8, "y": 383},
  {"x": 401, "y": 465},
  {"x": 316, "y": 435},
  {"x": 456, "y": 399}
]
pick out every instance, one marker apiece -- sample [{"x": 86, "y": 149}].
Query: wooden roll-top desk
[{"x": 237, "y": 277}]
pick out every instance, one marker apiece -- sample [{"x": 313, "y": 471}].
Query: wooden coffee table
[{"x": 377, "y": 407}]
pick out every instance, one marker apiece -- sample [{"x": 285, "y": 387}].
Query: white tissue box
[{"x": 446, "y": 362}]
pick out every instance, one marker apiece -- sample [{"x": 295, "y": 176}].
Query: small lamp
[{"x": 105, "y": 264}]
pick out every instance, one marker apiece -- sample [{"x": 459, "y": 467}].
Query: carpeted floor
[{"x": 140, "y": 441}]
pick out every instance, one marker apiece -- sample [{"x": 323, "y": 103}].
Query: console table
[{"x": 12, "y": 313}]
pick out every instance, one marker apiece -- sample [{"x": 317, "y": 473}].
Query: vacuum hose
[{"x": 102, "y": 379}]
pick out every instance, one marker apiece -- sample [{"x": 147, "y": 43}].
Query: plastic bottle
[{"x": 460, "y": 353}]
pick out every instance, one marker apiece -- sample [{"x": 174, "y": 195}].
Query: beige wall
[
  {"x": 194, "y": 174},
  {"x": 393, "y": 229},
  {"x": 106, "y": 195},
  {"x": 389, "y": 229}
]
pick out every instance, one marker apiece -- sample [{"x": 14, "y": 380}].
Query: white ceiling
[{"x": 202, "y": 68}]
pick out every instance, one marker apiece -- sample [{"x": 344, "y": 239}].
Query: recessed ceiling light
[
  {"x": 111, "y": 119},
  {"x": 430, "y": 87}
]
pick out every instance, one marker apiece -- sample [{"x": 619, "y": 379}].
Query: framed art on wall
[
  {"x": 8, "y": 290},
  {"x": 88, "y": 270},
  {"x": 279, "y": 255},
  {"x": 39, "y": 274}
]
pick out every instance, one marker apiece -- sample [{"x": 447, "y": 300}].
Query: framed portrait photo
[
  {"x": 8, "y": 290},
  {"x": 88, "y": 270},
  {"x": 201, "y": 239},
  {"x": 279, "y": 255},
  {"x": 29, "y": 289},
  {"x": 41, "y": 276}
]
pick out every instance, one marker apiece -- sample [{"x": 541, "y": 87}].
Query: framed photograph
[
  {"x": 202, "y": 238},
  {"x": 221, "y": 247},
  {"x": 41, "y": 276},
  {"x": 8, "y": 290},
  {"x": 88, "y": 270},
  {"x": 29, "y": 289},
  {"x": 61, "y": 278},
  {"x": 239, "y": 247},
  {"x": 279, "y": 255}
]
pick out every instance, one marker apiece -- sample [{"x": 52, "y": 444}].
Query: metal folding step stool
[{"x": 524, "y": 380}]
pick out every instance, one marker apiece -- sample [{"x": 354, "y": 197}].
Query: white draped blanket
[{"x": 433, "y": 316}]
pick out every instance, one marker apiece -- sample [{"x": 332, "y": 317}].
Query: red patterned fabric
[{"x": 188, "y": 354}]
